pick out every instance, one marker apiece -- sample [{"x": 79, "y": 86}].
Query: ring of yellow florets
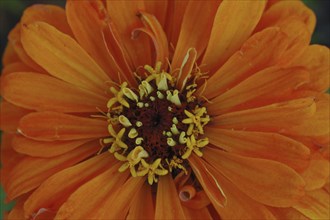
[{"x": 154, "y": 129}]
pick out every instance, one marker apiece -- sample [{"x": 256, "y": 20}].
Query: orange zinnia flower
[{"x": 166, "y": 110}]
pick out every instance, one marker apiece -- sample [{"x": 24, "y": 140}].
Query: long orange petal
[
  {"x": 34, "y": 148},
  {"x": 16, "y": 67},
  {"x": 326, "y": 187},
  {"x": 48, "y": 93},
  {"x": 118, "y": 200},
  {"x": 95, "y": 191},
  {"x": 10, "y": 116},
  {"x": 51, "y": 126},
  {"x": 260, "y": 51},
  {"x": 286, "y": 10},
  {"x": 14, "y": 39},
  {"x": 270, "y": 146},
  {"x": 209, "y": 183},
  {"x": 288, "y": 213},
  {"x": 299, "y": 37},
  {"x": 233, "y": 24},
  {"x": 145, "y": 209},
  {"x": 168, "y": 205},
  {"x": 197, "y": 213},
  {"x": 173, "y": 23},
  {"x": 281, "y": 186},
  {"x": 51, "y": 14},
  {"x": 9, "y": 55},
  {"x": 88, "y": 20},
  {"x": 55, "y": 190},
  {"x": 315, "y": 205},
  {"x": 158, "y": 9},
  {"x": 9, "y": 158},
  {"x": 316, "y": 59},
  {"x": 239, "y": 205},
  {"x": 123, "y": 15},
  {"x": 186, "y": 68},
  {"x": 44, "y": 214},
  {"x": 30, "y": 172},
  {"x": 63, "y": 57},
  {"x": 317, "y": 173},
  {"x": 268, "y": 86},
  {"x": 200, "y": 26},
  {"x": 277, "y": 117},
  {"x": 158, "y": 36},
  {"x": 318, "y": 125}
]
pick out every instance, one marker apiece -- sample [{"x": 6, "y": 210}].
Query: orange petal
[
  {"x": 286, "y": 10},
  {"x": 30, "y": 172},
  {"x": 168, "y": 205},
  {"x": 51, "y": 14},
  {"x": 263, "y": 145},
  {"x": 145, "y": 209},
  {"x": 197, "y": 213},
  {"x": 239, "y": 205},
  {"x": 186, "y": 68},
  {"x": 280, "y": 185},
  {"x": 315, "y": 204},
  {"x": 208, "y": 182},
  {"x": 88, "y": 20},
  {"x": 55, "y": 190},
  {"x": 200, "y": 26},
  {"x": 9, "y": 158},
  {"x": 299, "y": 37},
  {"x": 318, "y": 125},
  {"x": 16, "y": 67},
  {"x": 158, "y": 9},
  {"x": 9, "y": 55},
  {"x": 288, "y": 213},
  {"x": 44, "y": 149},
  {"x": 199, "y": 201},
  {"x": 10, "y": 116},
  {"x": 233, "y": 24},
  {"x": 51, "y": 126},
  {"x": 118, "y": 200},
  {"x": 277, "y": 117},
  {"x": 326, "y": 187},
  {"x": 173, "y": 23},
  {"x": 123, "y": 15},
  {"x": 95, "y": 191},
  {"x": 158, "y": 36},
  {"x": 14, "y": 39},
  {"x": 260, "y": 51},
  {"x": 270, "y": 3},
  {"x": 316, "y": 59},
  {"x": 62, "y": 57},
  {"x": 268, "y": 86},
  {"x": 317, "y": 173},
  {"x": 42, "y": 92},
  {"x": 44, "y": 214}
]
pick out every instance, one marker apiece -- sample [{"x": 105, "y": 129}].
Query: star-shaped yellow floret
[
  {"x": 132, "y": 159},
  {"x": 193, "y": 145},
  {"x": 196, "y": 120},
  {"x": 153, "y": 169},
  {"x": 116, "y": 141},
  {"x": 118, "y": 96}
]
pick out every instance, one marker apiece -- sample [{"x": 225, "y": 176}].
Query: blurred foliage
[{"x": 11, "y": 10}]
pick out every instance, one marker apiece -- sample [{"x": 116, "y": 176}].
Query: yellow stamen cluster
[{"x": 181, "y": 121}]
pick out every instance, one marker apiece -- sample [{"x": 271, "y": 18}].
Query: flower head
[{"x": 166, "y": 110}]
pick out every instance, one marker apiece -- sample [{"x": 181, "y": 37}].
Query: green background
[{"x": 11, "y": 10}]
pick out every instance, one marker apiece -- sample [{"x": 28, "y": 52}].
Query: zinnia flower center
[{"x": 156, "y": 127}]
